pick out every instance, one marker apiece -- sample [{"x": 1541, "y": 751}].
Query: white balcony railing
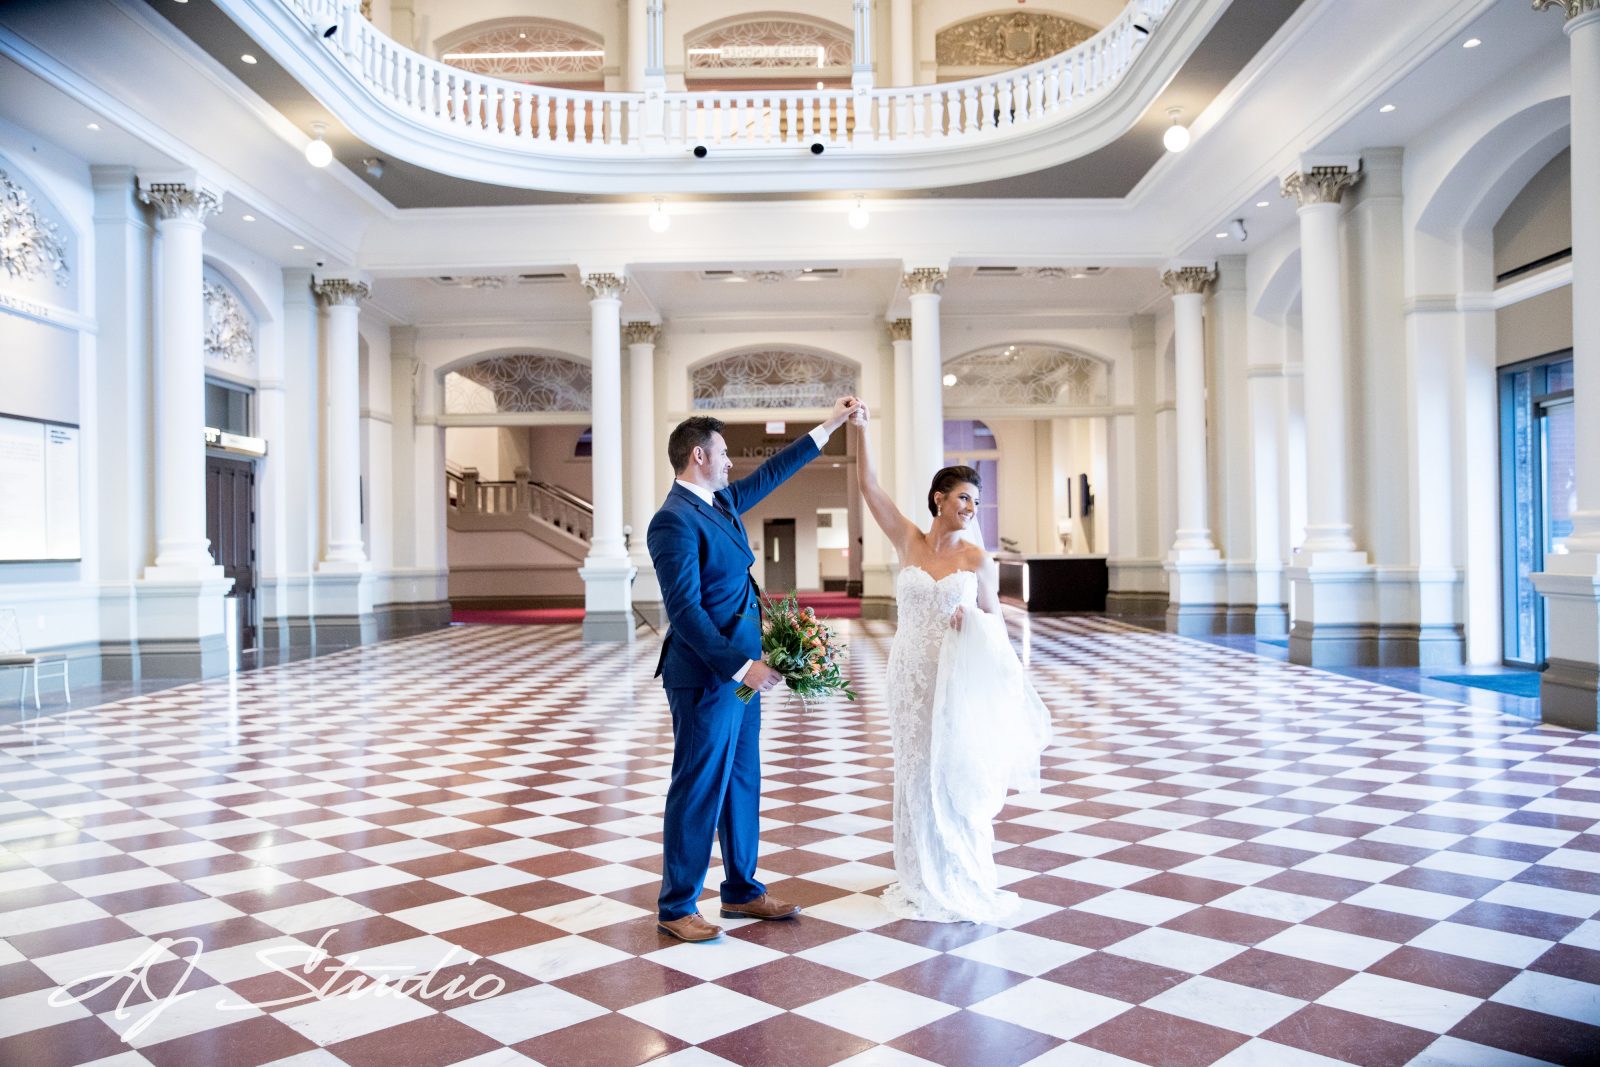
[{"x": 555, "y": 122}]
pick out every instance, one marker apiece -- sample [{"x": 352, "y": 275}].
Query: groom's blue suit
[{"x": 702, "y": 560}]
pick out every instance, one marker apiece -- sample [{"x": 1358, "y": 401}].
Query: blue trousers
[{"x": 715, "y": 789}]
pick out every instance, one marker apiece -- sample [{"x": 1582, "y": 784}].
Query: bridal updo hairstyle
[{"x": 946, "y": 480}]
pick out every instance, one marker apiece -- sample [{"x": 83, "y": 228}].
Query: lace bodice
[{"x": 926, "y": 604}]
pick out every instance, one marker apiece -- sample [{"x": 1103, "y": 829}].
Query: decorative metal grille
[
  {"x": 30, "y": 244},
  {"x": 230, "y": 328},
  {"x": 772, "y": 378},
  {"x": 770, "y": 43},
  {"x": 517, "y": 383},
  {"x": 550, "y": 48},
  {"x": 1012, "y": 40},
  {"x": 1023, "y": 375}
]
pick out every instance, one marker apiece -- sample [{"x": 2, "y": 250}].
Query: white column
[
  {"x": 1319, "y": 188},
  {"x": 608, "y": 606},
  {"x": 1188, "y": 286},
  {"x": 1334, "y": 601},
  {"x": 861, "y": 68},
  {"x": 644, "y": 454},
  {"x": 902, "y": 44},
  {"x": 926, "y": 453},
  {"x": 904, "y": 491},
  {"x": 342, "y": 548},
  {"x": 1570, "y": 688},
  {"x": 182, "y": 202},
  {"x": 638, "y": 43}
]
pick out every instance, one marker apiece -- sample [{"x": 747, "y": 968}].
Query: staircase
[{"x": 548, "y": 513}]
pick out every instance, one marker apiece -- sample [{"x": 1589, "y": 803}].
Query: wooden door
[
  {"x": 779, "y": 537},
  {"x": 231, "y": 528}
]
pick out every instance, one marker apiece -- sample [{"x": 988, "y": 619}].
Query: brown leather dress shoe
[
  {"x": 690, "y": 927},
  {"x": 763, "y": 907}
]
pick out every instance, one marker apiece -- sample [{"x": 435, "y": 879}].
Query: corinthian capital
[
  {"x": 605, "y": 286},
  {"x": 925, "y": 280},
  {"x": 641, "y": 333},
  {"x": 1573, "y": 8},
  {"x": 899, "y": 329},
  {"x": 345, "y": 292},
  {"x": 180, "y": 195},
  {"x": 1322, "y": 183},
  {"x": 1185, "y": 280}
]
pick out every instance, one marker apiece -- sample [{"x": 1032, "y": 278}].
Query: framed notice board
[{"x": 39, "y": 502}]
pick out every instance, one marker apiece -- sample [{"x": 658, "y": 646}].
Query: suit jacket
[{"x": 702, "y": 561}]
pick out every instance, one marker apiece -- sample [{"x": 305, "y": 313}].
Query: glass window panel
[{"x": 1560, "y": 377}]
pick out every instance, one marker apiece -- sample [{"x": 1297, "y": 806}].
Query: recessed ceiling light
[
  {"x": 248, "y": 218},
  {"x": 1471, "y": 42},
  {"x": 298, "y": 248},
  {"x": 1224, "y": 233},
  {"x": 1263, "y": 203},
  {"x": 248, "y": 58},
  {"x": 94, "y": 125},
  {"x": 1386, "y": 108}
]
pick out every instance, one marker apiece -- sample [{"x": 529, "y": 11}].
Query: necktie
[{"x": 722, "y": 509}]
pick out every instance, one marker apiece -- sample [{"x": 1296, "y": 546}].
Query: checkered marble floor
[{"x": 1236, "y": 861}]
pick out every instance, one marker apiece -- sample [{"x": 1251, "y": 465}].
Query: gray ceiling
[{"x": 1109, "y": 172}]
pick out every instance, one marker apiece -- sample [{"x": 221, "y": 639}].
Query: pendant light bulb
[
  {"x": 660, "y": 221},
  {"x": 318, "y": 154},
  {"x": 859, "y": 216},
  {"x": 1176, "y": 138}
]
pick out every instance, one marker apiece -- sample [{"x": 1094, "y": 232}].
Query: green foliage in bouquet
[{"x": 796, "y": 645}]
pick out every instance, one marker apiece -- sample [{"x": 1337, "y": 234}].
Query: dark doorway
[
  {"x": 231, "y": 527},
  {"x": 779, "y": 539}
]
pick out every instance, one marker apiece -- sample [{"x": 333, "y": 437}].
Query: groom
[{"x": 702, "y": 559}]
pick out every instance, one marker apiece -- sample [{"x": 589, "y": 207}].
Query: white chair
[{"x": 14, "y": 654}]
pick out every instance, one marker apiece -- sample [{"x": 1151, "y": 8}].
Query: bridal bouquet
[{"x": 795, "y": 644}]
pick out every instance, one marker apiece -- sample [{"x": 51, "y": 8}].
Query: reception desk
[{"x": 1053, "y": 583}]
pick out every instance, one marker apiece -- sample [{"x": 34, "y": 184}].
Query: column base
[
  {"x": 1196, "y": 597},
  {"x": 1569, "y": 695},
  {"x": 1335, "y": 613},
  {"x": 1570, "y": 584},
  {"x": 880, "y": 607},
  {"x": 1138, "y": 587},
  {"x": 182, "y": 632},
  {"x": 607, "y": 599},
  {"x": 345, "y": 617}
]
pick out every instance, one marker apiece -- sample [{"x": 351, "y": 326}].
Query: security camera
[
  {"x": 321, "y": 263},
  {"x": 816, "y": 148},
  {"x": 699, "y": 151},
  {"x": 324, "y": 28}
]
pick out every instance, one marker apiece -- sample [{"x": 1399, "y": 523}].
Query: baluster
[
  {"x": 548, "y": 125},
  {"x": 454, "y": 82},
  {"x": 1003, "y": 105},
  {"x": 569, "y": 118}
]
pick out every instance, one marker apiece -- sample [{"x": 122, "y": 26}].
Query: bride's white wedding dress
[{"x": 967, "y": 726}]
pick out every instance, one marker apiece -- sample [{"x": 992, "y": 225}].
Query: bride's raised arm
[{"x": 899, "y": 529}]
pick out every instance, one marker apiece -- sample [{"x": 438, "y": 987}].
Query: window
[
  {"x": 228, "y": 407},
  {"x": 968, "y": 442},
  {"x": 1538, "y": 462}
]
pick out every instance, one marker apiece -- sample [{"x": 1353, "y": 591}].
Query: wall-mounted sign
[
  {"x": 235, "y": 442},
  {"x": 38, "y": 491}
]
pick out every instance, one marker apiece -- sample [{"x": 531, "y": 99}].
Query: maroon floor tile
[
  {"x": 1568, "y": 961},
  {"x": 791, "y": 935},
  {"x": 790, "y": 1040},
  {"x": 953, "y": 980},
  {"x": 627, "y": 983},
  {"x": 789, "y": 983},
  {"x": 1224, "y": 925},
  {"x": 557, "y": 863},
  {"x": 1370, "y": 922},
  {"x": 606, "y": 1041},
  {"x": 62, "y": 1045},
  {"x": 1307, "y": 884},
  {"x": 1287, "y": 975},
  {"x": 1448, "y": 883},
  {"x": 1117, "y": 976},
  {"x": 1531, "y": 1033},
  {"x": 245, "y": 1043},
  {"x": 405, "y": 895},
  {"x": 1512, "y": 920},
  {"x": 1162, "y": 1040},
  {"x": 432, "y": 1041},
  {"x": 942, "y": 937},
  {"x": 799, "y": 891},
  {"x": 1183, "y": 887},
  {"x": 1473, "y": 978},
  {"x": 502, "y": 935},
  {"x": 1344, "y": 1035},
  {"x": 1082, "y": 928},
  {"x": 965, "y": 1039},
  {"x": 1561, "y": 878},
  {"x": 1062, "y": 892},
  {"x": 41, "y": 943}
]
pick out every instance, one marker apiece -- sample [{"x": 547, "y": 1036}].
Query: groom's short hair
[{"x": 690, "y": 434}]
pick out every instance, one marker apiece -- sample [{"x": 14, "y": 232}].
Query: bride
[{"x": 966, "y": 722}]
